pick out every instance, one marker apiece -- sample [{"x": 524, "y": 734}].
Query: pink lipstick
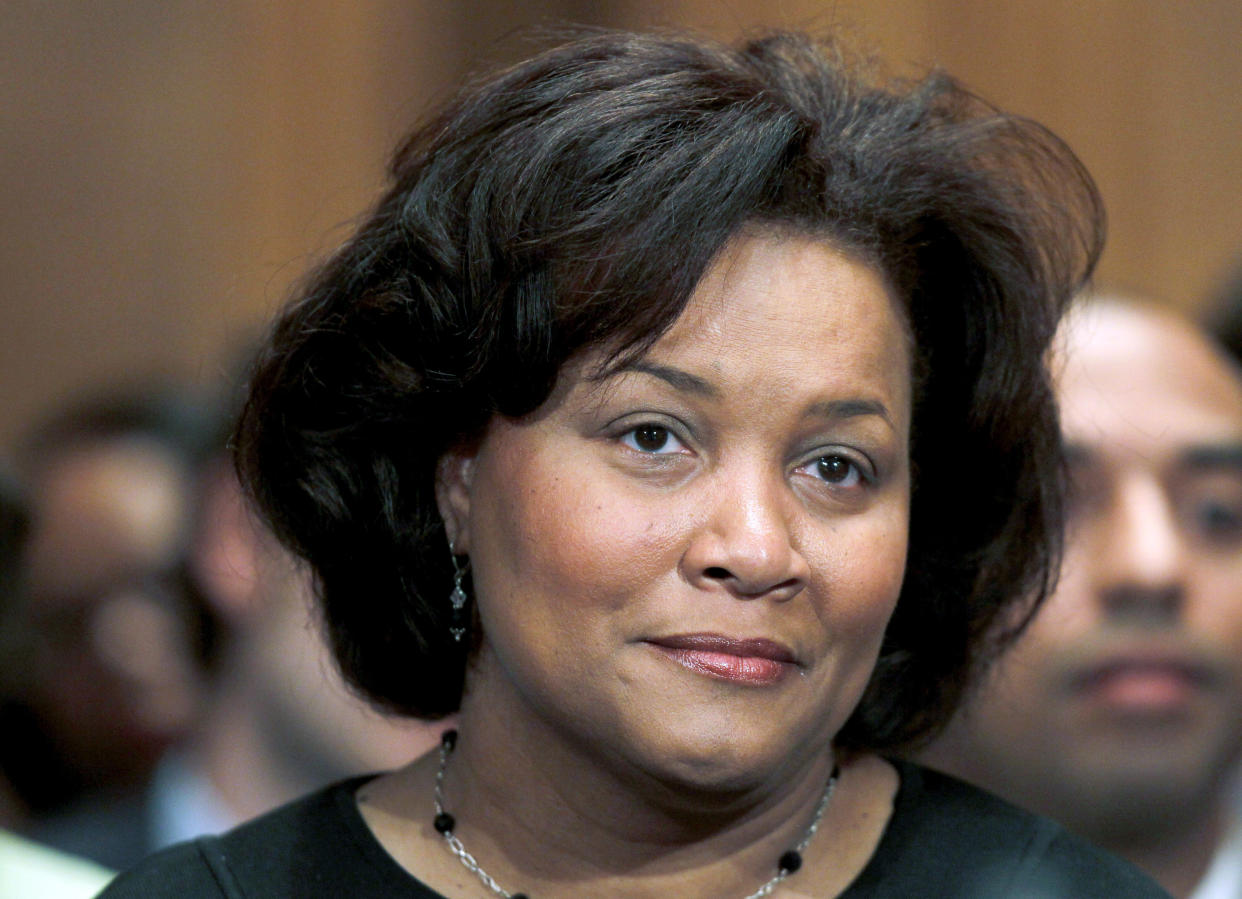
[{"x": 756, "y": 662}]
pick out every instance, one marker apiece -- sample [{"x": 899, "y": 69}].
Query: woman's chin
[{"x": 722, "y": 766}]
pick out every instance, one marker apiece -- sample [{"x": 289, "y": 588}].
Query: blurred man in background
[
  {"x": 14, "y": 525},
  {"x": 104, "y": 673},
  {"x": 27, "y": 869},
  {"x": 1119, "y": 711},
  {"x": 179, "y": 669},
  {"x": 279, "y": 720}
]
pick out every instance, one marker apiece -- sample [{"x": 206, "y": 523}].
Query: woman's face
[{"x": 690, "y": 563}]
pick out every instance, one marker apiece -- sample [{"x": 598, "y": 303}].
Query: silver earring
[{"x": 457, "y": 598}]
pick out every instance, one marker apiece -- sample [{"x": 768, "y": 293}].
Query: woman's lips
[{"x": 757, "y": 662}]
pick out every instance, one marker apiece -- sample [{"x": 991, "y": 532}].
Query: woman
[{"x": 678, "y": 415}]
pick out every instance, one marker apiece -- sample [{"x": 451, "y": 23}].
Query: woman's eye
[
  {"x": 652, "y": 438},
  {"x": 837, "y": 470}
]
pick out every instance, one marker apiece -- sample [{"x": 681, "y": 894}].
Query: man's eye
[
  {"x": 651, "y": 438},
  {"x": 1219, "y": 521},
  {"x": 1209, "y": 508}
]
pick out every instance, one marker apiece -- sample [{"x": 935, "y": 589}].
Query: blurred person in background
[
  {"x": 278, "y": 720},
  {"x": 27, "y": 869},
  {"x": 14, "y": 525},
  {"x": 1119, "y": 711},
  {"x": 104, "y": 673},
  {"x": 266, "y": 718}
]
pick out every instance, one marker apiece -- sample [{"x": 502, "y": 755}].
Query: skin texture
[
  {"x": 1120, "y": 711},
  {"x": 749, "y": 478}
]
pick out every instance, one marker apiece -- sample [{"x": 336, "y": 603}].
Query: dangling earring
[{"x": 458, "y": 598}]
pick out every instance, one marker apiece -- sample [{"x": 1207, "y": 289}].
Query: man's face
[
  {"x": 1127, "y": 688},
  {"x": 112, "y": 675}
]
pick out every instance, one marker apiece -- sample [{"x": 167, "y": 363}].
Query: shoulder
[
  {"x": 315, "y": 847},
  {"x": 947, "y": 838},
  {"x": 182, "y": 871}
]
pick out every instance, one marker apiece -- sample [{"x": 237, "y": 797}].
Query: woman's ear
[{"x": 454, "y": 473}]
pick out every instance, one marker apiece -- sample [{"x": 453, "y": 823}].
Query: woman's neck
[
  {"x": 550, "y": 809},
  {"x": 534, "y": 772},
  {"x": 533, "y": 831},
  {"x": 547, "y": 813}
]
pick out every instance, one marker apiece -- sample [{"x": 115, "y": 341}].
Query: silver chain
[
  {"x": 472, "y": 865},
  {"x": 781, "y": 873}
]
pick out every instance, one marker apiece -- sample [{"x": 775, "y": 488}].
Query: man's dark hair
[
  {"x": 573, "y": 202},
  {"x": 1223, "y": 317},
  {"x": 187, "y": 425},
  {"x": 14, "y": 524}
]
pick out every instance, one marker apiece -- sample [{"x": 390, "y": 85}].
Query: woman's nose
[{"x": 745, "y": 544}]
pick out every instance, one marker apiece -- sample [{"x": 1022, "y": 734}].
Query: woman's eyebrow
[
  {"x": 681, "y": 380},
  {"x": 688, "y": 383},
  {"x": 852, "y": 408}
]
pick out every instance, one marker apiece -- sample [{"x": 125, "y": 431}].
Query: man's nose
[{"x": 1142, "y": 556}]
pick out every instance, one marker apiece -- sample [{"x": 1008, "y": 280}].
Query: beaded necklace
[{"x": 444, "y": 823}]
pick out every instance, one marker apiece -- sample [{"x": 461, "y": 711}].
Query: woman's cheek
[
  {"x": 603, "y": 550},
  {"x": 865, "y": 583},
  {"x": 579, "y": 539}
]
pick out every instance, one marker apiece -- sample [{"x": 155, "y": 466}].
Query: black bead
[
  {"x": 448, "y": 739},
  {"x": 518, "y": 896},
  {"x": 791, "y": 861},
  {"x": 444, "y": 822}
]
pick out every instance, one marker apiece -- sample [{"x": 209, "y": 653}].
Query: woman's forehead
[{"x": 793, "y": 316}]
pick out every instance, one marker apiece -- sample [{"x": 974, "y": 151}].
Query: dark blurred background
[{"x": 170, "y": 167}]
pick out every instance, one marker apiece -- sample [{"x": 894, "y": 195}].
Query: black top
[{"x": 945, "y": 839}]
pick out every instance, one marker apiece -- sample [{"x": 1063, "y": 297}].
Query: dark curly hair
[{"x": 574, "y": 201}]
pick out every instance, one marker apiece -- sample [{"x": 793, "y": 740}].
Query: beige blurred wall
[{"x": 171, "y": 167}]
